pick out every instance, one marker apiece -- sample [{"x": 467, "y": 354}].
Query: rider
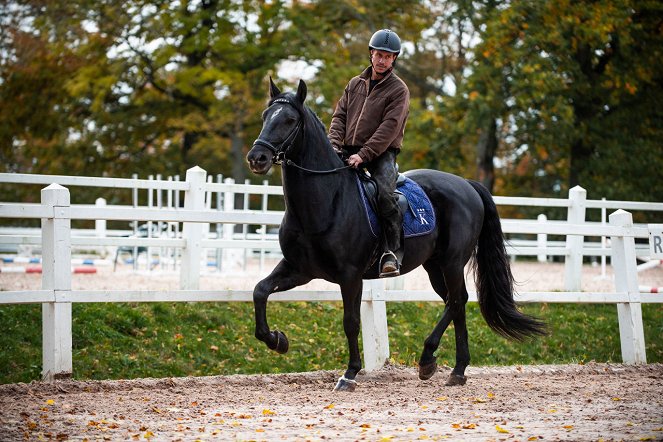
[{"x": 369, "y": 123}]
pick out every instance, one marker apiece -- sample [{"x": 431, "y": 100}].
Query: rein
[{"x": 280, "y": 150}]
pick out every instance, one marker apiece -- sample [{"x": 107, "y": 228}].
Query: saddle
[{"x": 414, "y": 204}]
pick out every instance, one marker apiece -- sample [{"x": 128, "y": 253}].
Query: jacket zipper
[{"x": 354, "y": 137}]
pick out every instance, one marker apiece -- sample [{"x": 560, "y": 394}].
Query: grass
[{"x": 120, "y": 341}]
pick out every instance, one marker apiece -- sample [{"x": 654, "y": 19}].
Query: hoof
[
  {"x": 427, "y": 371},
  {"x": 455, "y": 379},
  {"x": 345, "y": 384},
  {"x": 282, "y": 344}
]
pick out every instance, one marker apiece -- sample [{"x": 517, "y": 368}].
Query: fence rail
[{"x": 56, "y": 239}]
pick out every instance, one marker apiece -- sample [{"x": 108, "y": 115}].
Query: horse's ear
[
  {"x": 273, "y": 90},
  {"x": 301, "y": 91}
]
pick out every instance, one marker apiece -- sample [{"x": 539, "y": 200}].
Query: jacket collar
[{"x": 366, "y": 75}]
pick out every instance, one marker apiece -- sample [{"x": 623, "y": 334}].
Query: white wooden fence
[{"x": 56, "y": 296}]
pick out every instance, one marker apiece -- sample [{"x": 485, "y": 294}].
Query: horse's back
[
  {"x": 459, "y": 211},
  {"x": 446, "y": 188}
]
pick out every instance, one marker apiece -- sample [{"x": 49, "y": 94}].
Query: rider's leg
[{"x": 383, "y": 170}]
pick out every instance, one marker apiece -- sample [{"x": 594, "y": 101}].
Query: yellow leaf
[
  {"x": 500, "y": 429},
  {"x": 50, "y": 402},
  {"x": 268, "y": 412},
  {"x": 616, "y": 399},
  {"x": 455, "y": 425},
  {"x": 478, "y": 400},
  {"x": 442, "y": 398},
  {"x": 568, "y": 427},
  {"x": 260, "y": 430},
  {"x": 470, "y": 426},
  {"x": 148, "y": 435},
  {"x": 365, "y": 425},
  {"x": 329, "y": 407},
  {"x": 532, "y": 438},
  {"x": 490, "y": 395}
]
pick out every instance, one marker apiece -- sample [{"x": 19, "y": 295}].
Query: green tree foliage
[
  {"x": 553, "y": 93},
  {"x": 573, "y": 86}
]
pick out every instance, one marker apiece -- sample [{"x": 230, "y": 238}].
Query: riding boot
[{"x": 393, "y": 254}]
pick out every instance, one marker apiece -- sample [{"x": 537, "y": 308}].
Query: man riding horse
[{"x": 368, "y": 124}]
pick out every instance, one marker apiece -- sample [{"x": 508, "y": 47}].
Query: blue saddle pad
[{"x": 418, "y": 219}]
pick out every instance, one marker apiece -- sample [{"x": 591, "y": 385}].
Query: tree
[{"x": 567, "y": 76}]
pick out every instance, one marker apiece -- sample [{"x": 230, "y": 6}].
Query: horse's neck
[{"x": 315, "y": 201}]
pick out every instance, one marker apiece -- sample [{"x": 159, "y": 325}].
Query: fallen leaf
[
  {"x": 329, "y": 407},
  {"x": 500, "y": 429},
  {"x": 365, "y": 425},
  {"x": 470, "y": 426},
  {"x": 442, "y": 398},
  {"x": 148, "y": 435},
  {"x": 568, "y": 427},
  {"x": 490, "y": 395},
  {"x": 50, "y": 402},
  {"x": 268, "y": 412},
  {"x": 532, "y": 438},
  {"x": 616, "y": 399}
]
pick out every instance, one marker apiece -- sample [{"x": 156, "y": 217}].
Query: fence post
[
  {"x": 231, "y": 258},
  {"x": 56, "y": 276},
  {"x": 574, "y": 243},
  {"x": 194, "y": 199},
  {"x": 542, "y": 239},
  {"x": 375, "y": 337},
  {"x": 631, "y": 332},
  {"x": 100, "y": 226}
]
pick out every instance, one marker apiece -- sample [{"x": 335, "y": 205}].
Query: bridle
[{"x": 280, "y": 151}]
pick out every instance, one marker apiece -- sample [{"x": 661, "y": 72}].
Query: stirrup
[{"x": 389, "y": 273}]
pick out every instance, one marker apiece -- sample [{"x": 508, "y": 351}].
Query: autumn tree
[{"x": 573, "y": 84}]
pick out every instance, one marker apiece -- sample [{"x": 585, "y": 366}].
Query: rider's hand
[{"x": 354, "y": 161}]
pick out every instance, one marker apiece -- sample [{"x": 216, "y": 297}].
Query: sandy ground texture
[{"x": 568, "y": 402}]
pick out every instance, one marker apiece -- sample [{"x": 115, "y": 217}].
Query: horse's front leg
[
  {"x": 351, "y": 322},
  {"x": 283, "y": 277}
]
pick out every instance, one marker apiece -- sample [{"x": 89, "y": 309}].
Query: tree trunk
[{"x": 486, "y": 148}]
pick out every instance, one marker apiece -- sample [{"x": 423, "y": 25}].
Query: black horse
[{"x": 324, "y": 234}]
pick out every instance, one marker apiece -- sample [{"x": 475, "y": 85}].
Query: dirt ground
[
  {"x": 561, "y": 402},
  {"x": 570, "y": 402}
]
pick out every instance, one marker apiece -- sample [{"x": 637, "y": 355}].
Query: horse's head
[{"x": 282, "y": 122}]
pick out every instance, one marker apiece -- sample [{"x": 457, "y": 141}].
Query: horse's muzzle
[{"x": 260, "y": 161}]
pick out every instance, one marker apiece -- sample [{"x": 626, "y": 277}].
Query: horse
[{"x": 324, "y": 235}]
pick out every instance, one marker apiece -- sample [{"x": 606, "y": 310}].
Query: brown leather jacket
[{"x": 375, "y": 121}]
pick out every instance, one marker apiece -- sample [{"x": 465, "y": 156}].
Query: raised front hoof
[
  {"x": 455, "y": 379},
  {"x": 427, "y": 371},
  {"x": 279, "y": 342},
  {"x": 345, "y": 384}
]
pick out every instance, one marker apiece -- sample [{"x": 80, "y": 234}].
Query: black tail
[{"x": 494, "y": 280}]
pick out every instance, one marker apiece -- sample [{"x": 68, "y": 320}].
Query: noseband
[{"x": 279, "y": 151}]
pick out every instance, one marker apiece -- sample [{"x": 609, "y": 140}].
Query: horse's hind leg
[
  {"x": 283, "y": 277},
  {"x": 450, "y": 285}
]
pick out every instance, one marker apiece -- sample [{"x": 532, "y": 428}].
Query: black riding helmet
[{"x": 385, "y": 40}]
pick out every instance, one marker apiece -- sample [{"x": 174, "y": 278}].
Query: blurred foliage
[{"x": 531, "y": 97}]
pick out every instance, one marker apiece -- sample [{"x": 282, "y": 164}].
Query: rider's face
[{"x": 382, "y": 60}]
